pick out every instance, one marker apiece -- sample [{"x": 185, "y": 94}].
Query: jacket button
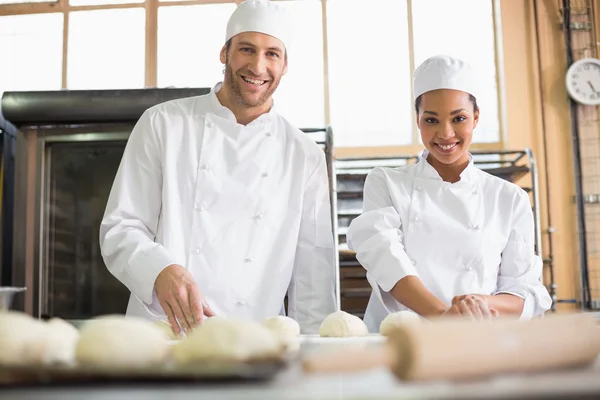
[
  {"x": 269, "y": 134},
  {"x": 209, "y": 124},
  {"x": 413, "y": 262},
  {"x": 240, "y": 303},
  {"x": 419, "y": 187},
  {"x": 416, "y": 219},
  {"x": 258, "y": 216},
  {"x": 475, "y": 226},
  {"x": 197, "y": 251},
  {"x": 264, "y": 174},
  {"x": 248, "y": 260}
]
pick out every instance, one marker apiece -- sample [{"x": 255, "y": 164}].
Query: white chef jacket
[
  {"x": 245, "y": 209},
  {"x": 475, "y": 236}
]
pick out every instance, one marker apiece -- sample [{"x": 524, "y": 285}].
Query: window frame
[{"x": 151, "y": 60}]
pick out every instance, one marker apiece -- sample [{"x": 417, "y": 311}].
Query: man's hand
[
  {"x": 180, "y": 298},
  {"x": 471, "y": 306}
]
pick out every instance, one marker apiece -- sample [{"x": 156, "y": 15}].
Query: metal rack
[
  {"x": 580, "y": 41},
  {"x": 517, "y": 166}
]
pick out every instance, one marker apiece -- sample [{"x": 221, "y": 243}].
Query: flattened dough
[
  {"x": 342, "y": 324},
  {"x": 397, "y": 319},
  {"x": 119, "y": 341},
  {"x": 224, "y": 339}
]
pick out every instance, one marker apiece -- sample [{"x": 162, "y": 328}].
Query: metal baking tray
[{"x": 209, "y": 372}]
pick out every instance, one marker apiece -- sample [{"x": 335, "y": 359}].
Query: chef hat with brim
[
  {"x": 261, "y": 16},
  {"x": 445, "y": 72}
]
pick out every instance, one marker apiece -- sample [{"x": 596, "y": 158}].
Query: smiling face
[
  {"x": 446, "y": 119},
  {"x": 254, "y": 64}
]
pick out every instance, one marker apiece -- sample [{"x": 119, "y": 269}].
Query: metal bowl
[{"x": 6, "y": 296}]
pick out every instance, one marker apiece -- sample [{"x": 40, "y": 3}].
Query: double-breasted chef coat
[
  {"x": 475, "y": 236},
  {"x": 245, "y": 209}
]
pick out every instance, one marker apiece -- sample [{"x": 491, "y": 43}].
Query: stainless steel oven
[
  {"x": 69, "y": 146},
  {"x": 8, "y": 134},
  {"x": 65, "y": 175}
]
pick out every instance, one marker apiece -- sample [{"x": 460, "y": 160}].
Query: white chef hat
[
  {"x": 445, "y": 72},
  {"x": 261, "y": 16}
]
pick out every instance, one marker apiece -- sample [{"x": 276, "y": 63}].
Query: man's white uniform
[{"x": 245, "y": 208}]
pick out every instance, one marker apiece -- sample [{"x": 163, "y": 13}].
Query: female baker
[{"x": 442, "y": 237}]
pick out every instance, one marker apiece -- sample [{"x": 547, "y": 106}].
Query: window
[
  {"x": 300, "y": 96},
  {"x": 465, "y": 29},
  {"x": 100, "y": 2},
  {"x": 31, "y": 48},
  {"x": 369, "y": 72},
  {"x": 106, "y": 49},
  {"x": 25, "y": 1},
  {"x": 189, "y": 41},
  {"x": 351, "y": 62}
]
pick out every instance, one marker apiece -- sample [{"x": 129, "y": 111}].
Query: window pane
[
  {"x": 99, "y": 2},
  {"x": 106, "y": 49},
  {"x": 205, "y": 25},
  {"x": 468, "y": 33},
  {"x": 26, "y": 1},
  {"x": 189, "y": 41},
  {"x": 300, "y": 95},
  {"x": 369, "y": 72},
  {"x": 31, "y": 48}
]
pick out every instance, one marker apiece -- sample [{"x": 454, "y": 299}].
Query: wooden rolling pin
[{"x": 460, "y": 349}]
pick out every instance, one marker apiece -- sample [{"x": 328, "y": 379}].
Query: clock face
[{"x": 583, "y": 81}]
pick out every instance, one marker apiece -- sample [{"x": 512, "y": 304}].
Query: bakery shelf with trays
[{"x": 517, "y": 166}]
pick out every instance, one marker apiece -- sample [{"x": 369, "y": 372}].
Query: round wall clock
[{"x": 583, "y": 81}]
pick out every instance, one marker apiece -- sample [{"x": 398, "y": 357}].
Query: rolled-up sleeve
[
  {"x": 376, "y": 236},
  {"x": 130, "y": 221},
  {"x": 520, "y": 268}
]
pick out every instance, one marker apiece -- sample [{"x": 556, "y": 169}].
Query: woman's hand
[
  {"x": 505, "y": 304},
  {"x": 474, "y": 307}
]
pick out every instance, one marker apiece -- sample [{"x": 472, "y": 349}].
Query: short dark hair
[
  {"x": 471, "y": 98},
  {"x": 228, "y": 45}
]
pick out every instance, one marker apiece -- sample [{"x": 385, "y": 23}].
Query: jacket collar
[
  {"x": 223, "y": 112},
  {"x": 427, "y": 170}
]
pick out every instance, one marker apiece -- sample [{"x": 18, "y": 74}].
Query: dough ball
[
  {"x": 397, "y": 319},
  {"x": 20, "y": 336},
  {"x": 120, "y": 341},
  {"x": 59, "y": 342},
  {"x": 342, "y": 324},
  {"x": 223, "y": 339},
  {"x": 284, "y": 327}
]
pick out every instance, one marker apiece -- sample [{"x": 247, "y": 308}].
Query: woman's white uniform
[{"x": 475, "y": 236}]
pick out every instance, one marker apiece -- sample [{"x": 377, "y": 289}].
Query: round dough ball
[
  {"x": 342, "y": 324},
  {"x": 397, "y": 319},
  {"x": 59, "y": 342},
  {"x": 20, "y": 335},
  {"x": 284, "y": 327},
  {"x": 120, "y": 341},
  {"x": 223, "y": 339}
]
